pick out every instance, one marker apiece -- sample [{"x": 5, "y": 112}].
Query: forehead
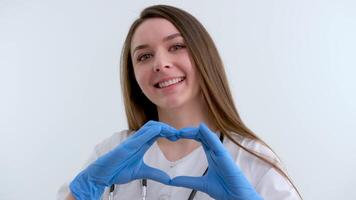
[{"x": 152, "y": 30}]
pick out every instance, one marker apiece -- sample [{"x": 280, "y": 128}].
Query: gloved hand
[
  {"x": 123, "y": 164},
  {"x": 223, "y": 180}
]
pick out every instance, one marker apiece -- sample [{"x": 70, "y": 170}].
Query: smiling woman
[{"x": 185, "y": 138}]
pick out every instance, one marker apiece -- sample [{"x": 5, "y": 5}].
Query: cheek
[
  {"x": 138, "y": 77},
  {"x": 191, "y": 70},
  {"x": 188, "y": 63},
  {"x": 142, "y": 79}
]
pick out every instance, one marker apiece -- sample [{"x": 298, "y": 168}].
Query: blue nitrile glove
[
  {"x": 223, "y": 180},
  {"x": 122, "y": 164}
]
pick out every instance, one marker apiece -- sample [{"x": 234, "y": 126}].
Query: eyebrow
[{"x": 169, "y": 37}]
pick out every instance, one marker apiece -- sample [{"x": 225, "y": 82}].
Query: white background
[{"x": 290, "y": 64}]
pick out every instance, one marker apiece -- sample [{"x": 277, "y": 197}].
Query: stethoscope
[{"x": 144, "y": 184}]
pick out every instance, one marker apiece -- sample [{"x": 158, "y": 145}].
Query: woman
[{"x": 185, "y": 138}]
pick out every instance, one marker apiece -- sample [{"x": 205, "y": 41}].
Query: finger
[
  {"x": 165, "y": 130},
  {"x": 147, "y": 126},
  {"x": 147, "y": 172},
  {"x": 189, "y": 133},
  {"x": 141, "y": 144},
  {"x": 217, "y": 155},
  {"x": 130, "y": 147},
  {"x": 195, "y": 183},
  {"x": 169, "y": 132},
  {"x": 210, "y": 140}
]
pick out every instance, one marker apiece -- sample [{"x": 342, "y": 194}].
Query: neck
[{"x": 189, "y": 115}]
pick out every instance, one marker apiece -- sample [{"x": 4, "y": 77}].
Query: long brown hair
[{"x": 214, "y": 85}]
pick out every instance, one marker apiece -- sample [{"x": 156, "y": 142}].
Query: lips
[{"x": 163, "y": 83}]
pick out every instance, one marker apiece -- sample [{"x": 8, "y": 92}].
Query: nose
[
  {"x": 159, "y": 67},
  {"x": 161, "y": 62}
]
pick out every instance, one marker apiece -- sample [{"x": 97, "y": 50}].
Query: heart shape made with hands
[
  {"x": 202, "y": 134},
  {"x": 173, "y": 135}
]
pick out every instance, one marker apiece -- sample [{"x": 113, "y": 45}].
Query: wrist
[{"x": 83, "y": 188}]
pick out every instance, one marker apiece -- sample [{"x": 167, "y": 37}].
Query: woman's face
[{"x": 162, "y": 64}]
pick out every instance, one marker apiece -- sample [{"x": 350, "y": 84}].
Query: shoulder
[
  {"x": 261, "y": 149},
  {"x": 267, "y": 181},
  {"x": 253, "y": 145},
  {"x": 252, "y": 166}
]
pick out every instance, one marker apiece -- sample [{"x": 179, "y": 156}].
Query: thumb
[
  {"x": 195, "y": 183},
  {"x": 148, "y": 172}
]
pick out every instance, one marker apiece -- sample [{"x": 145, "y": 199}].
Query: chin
[{"x": 170, "y": 104}]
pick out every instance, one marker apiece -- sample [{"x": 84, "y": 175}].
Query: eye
[
  {"x": 178, "y": 46},
  {"x": 143, "y": 57}
]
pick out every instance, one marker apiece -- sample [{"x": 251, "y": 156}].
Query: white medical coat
[{"x": 266, "y": 180}]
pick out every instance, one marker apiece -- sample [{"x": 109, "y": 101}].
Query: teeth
[{"x": 169, "y": 82}]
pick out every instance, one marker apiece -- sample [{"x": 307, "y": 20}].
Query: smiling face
[{"x": 162, "y": 64}]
